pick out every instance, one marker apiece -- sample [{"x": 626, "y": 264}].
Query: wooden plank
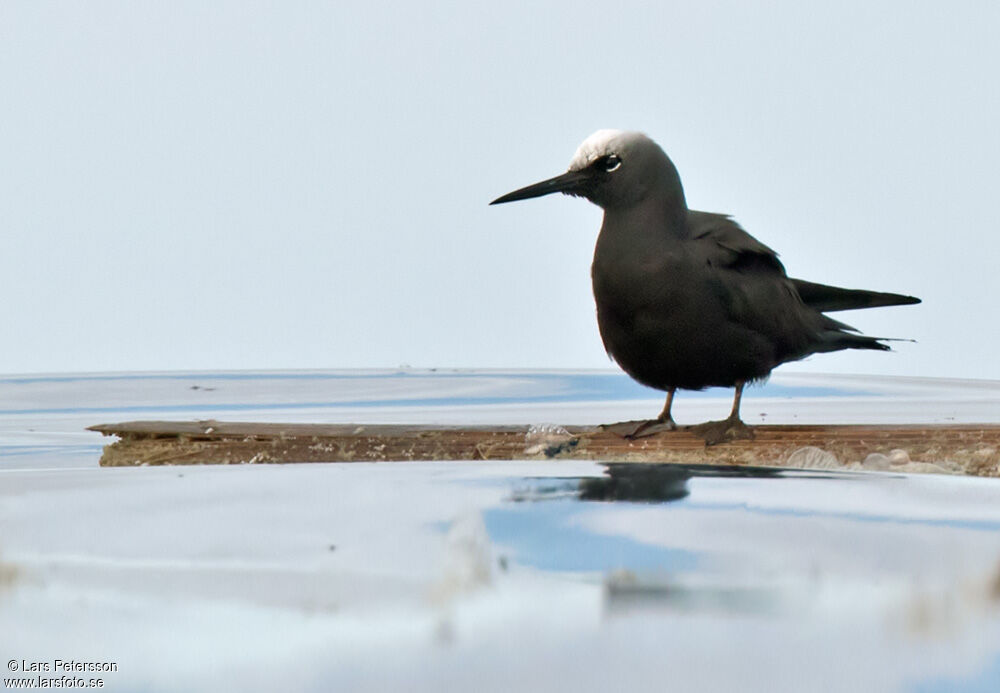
[{"x": 968, "y": 449}]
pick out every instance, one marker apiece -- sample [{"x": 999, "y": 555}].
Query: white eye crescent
[{"x": 612, "y": 163}]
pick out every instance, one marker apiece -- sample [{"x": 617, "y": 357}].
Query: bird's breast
[
  {"x": 640, "y": 301},
  {"x": 661, "y": 320}
]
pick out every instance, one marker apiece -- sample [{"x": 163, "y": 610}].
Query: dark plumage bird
[{"x": 688, "y": 299}]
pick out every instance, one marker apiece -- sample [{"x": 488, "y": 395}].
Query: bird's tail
[
  {"x": 837, "y": 341},
  {"x": 832, "y": 298}
]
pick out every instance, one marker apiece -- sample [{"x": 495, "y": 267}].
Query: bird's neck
[{"x": 648, "y": 225}]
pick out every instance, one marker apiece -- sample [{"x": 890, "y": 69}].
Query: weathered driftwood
[{"x": 969, "y": 449}]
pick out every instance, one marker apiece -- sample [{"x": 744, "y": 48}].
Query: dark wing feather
[
  {"x": 765, "y": 299},
  {"x": 737, "y": 249},
  {"x": 728, "y": 245},
  {"x": 824, "y": 298}
]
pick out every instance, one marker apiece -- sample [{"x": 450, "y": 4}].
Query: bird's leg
[
  {"x": 665, "y": 417},
  {"x": 730, "y": 429},
  {"x": 641, "y": 429},
  {"x": 734, "y": 415}
]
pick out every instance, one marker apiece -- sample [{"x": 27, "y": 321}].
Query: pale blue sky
[{"x": 231, "y": 185}]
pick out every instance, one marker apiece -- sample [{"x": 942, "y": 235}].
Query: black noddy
[{"x": 687, "y": 299}]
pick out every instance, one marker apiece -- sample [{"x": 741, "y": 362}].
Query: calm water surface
[{"x": 523, "y": 575}]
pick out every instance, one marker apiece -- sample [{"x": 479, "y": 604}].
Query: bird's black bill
[{"x": 571, "y": 182}]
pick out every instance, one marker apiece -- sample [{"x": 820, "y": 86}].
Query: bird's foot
[
  {"x": 631, "y": 430},
  {"x": 725, "y": 431}
]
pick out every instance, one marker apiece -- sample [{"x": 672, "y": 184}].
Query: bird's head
[{"x": 611, "y": 168}]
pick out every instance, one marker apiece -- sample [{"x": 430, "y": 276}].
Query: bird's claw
[
  {"x": 725, "y": 431},
  {"x": 630, "y": 430}
]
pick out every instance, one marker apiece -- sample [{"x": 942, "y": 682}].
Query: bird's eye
[{"x": 612, "y": 162}]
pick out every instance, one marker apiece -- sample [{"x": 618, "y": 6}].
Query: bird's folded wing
[
  {"x": 771, "y": 296},
  {"x": 752, "y": 283},
  {"x": 724, "y": 243}
]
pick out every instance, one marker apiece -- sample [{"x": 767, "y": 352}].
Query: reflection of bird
[
  {"x": 689, "y": 299},
  {"x": 638, "y": 483}
]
